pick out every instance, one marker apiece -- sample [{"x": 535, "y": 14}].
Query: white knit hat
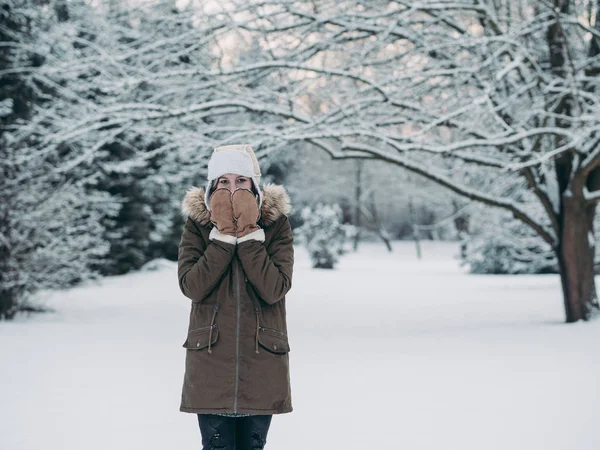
[{"x": 239, "y": 159}]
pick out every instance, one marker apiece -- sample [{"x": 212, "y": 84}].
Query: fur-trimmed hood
[{"x": 276, "y": 202}]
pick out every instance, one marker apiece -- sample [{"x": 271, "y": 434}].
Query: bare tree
[{"x": 512, "y": 83}]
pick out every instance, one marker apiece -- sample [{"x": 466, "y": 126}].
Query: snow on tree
[
  {"x": 126, "y": 107},
  {"x": 496, "y": 101},
  {"x": 505, "y": 89},
  {"x": 50, "y": 233}
]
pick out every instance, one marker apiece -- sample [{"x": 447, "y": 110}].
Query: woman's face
[{"x": 232, "y": 182}]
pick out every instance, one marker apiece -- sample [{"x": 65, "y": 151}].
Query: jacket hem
[{"x": 229, "y": 410}]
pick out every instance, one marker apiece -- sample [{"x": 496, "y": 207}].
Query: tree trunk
[
  {"x": 575, "y": 253},
  {"x": 381, "y": 232},
  {"x": 461, "y": 224},
  {"x": 415, "y": 227},
  {"x": 7, "y": 304},
  {"x": 576, "y": 247},
  {"x": 357, "y": 202},
  {"x": 8, "y": 294}
]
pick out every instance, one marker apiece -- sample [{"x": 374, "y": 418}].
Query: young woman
[{"x": 235, "y": 264}]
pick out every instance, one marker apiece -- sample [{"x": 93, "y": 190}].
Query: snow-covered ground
[{"x": 387, "y": 352}]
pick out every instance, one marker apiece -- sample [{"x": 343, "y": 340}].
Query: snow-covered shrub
[
  {"x": 324, "y": 235},
  {"x": 507, "y": 246},
  {"x": 494, "y": 255}
]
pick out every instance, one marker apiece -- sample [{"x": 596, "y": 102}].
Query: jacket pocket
[
  {"x": 197, "y": 338},
  {"x": 273, "y": 340}
]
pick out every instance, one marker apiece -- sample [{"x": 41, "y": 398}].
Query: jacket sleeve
[
  {"x": 200, "y": 266},
  {"x": 269, "y": 269}
]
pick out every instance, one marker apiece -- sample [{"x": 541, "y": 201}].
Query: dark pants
[{"x": 234, "y": 433}]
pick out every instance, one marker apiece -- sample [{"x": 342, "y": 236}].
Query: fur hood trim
[{"x": 276, "y": 202}]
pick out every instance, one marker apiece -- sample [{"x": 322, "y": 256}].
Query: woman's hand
[
  {"x": 245, "y": 211},
  {"x": 221, "y": 211}
]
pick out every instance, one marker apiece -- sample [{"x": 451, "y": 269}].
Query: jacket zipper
[{"x": 237, "y": 339}]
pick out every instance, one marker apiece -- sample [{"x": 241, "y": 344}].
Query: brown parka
[{"x": 237, "y": 348}]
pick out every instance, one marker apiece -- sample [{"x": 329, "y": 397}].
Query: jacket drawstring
[
  {"x": 212, "y": 321},
  {"x": 257, "y": 328}
]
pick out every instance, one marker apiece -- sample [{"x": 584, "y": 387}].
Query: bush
[
  {"x": 508, "y": 247},
  {"x": 324, "y": 235}
]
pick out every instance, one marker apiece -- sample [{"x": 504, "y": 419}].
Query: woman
[{"x": 235, "y": 263}]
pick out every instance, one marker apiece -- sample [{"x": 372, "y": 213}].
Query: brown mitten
[
  {"x": 245, "y": 211},
  {"x": 221, "y": 211}
]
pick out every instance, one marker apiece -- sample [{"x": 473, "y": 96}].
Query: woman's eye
[
  {"x": 223, "y": 181},
  {"x": 241, "y": 180}
]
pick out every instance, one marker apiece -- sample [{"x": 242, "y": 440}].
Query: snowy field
[{"x": 387, "y": 352}]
